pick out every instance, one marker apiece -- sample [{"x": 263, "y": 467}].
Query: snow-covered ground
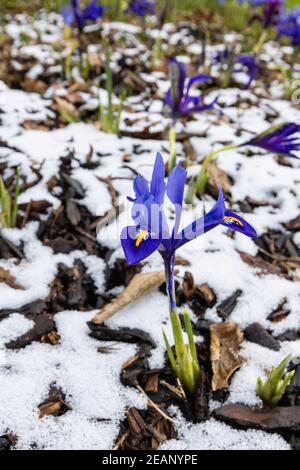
[{"x": 90, "y": 379}]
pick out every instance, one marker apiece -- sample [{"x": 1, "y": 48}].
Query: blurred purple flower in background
[
  {"x": 75, "y": 15},
  {"x": 289, "y": 25},
  {"x": 271, "y": 10},
  {"x": 278, "y": 139},
  {"x": 179, "y": 99},
  {"x": 248, "y": 61},
  {"x": 228, "y": 58},
  {"x": 141, "y": 7}
]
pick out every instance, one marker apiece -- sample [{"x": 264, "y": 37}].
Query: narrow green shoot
[
  {"x": 15, "y": 206},
  {"x": 172, "y": 146},
  {"x": 184, "y": 362},
  {"x": 202, "y": 178},
  {"x": 85, "y": 65},
  {"x": 272, "y": 390},
  {"x": 156, "y": 51},
  {"x": 9, "y": 203},
  {"x": 191, "y": 191},
  {"x": 109, "y": 119}
]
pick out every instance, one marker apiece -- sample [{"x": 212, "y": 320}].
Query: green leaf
[
  {"x": 170, "y": 353},
  {"x": 272, "y": 390}
]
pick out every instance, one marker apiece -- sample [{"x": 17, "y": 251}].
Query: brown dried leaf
[
  {"x": 64, "y": 105},
  {"x": 216, "y": 177},
  {"x": 225, "y": 342},
  {"x": 36, "y": 86},
  {"x": 32, "y": 125},
  {"x": 139, "y": 286},
  {"x": 8, "y": 278}
]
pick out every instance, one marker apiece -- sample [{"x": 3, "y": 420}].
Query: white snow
[{"x": 90, "y": 379}]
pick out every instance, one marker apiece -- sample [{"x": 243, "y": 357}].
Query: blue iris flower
[
  {"x": 279, "y": 139},
  {"x": 289, "y": 25},
  {"x": 141, "y": 7},
  {"x": 246, "y": 60},
  {"x": 150, "y": 231},
  {"x": 179, "y": 99},
  {"x": 271, "y": 10},
  {"x": 78, "y": 16}
]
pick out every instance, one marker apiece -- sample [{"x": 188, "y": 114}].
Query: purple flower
[
  {"x": 178, "y": 98},
  {"x": 278, "y": 140},
  {"x": 248, "y": 61},
  {"x": 270, "y": 13},
  {"x": 80, "y": 17},
  {"x": 289, "y": 25},
  {"x": 141, "y": 7},
  {"x": 228, "y": 58},
  {"x": 150, "y": 231}
]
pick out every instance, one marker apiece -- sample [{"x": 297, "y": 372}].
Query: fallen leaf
[
  {"x": 8, "y": 278},
  {"x": 65, "y": 106},
  {"x": 217, "y": 177},
  {"x": 36, "y": 86},
  {"x": 225, "y": 342},
  {"x": 32, "y": 125},
  {"x": 139, "y": 286}
]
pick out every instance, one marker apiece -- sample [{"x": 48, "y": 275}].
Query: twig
[
  {"x": 121, "y": 441},
  {"x": 155, "y": 406},
  {"x": 173, "y": 389}
]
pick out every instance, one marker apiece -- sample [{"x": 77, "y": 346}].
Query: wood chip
[
  {"x": 208, "y": 295},
  {"x": 152, "y": 383},
  {"x": 9, "y": 280},
  {"x": 228, "y": 305},
  {"x": 264, "y": 267},
  {"x": 217, "y": 177},
  {"x": 188, "y": 285}
]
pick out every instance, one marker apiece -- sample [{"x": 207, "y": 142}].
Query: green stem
[
  {"x": 156, "y": 54},
  {"x": 178, "y": 335},
  {"x": 262, "y": 39},
  {"x": 173, "y": 156},
  {"x": 203, "y": 175},
  {"x": 15, "y": 201},
  {"x": 192, "y": 345},
  {"x": 109, "y": 83},
  {"x": 170, "y": 353},
  {"x": 191, "y": 191}
]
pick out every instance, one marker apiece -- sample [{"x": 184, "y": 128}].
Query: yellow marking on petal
[
  {"x": 233, "y": 219},
  {"x": 140, "y": 238}
]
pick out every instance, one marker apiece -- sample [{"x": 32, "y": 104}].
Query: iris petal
[
  {"x": 140, "y": 186},
  {"x": 203, "y": 225},
  {"x": 175, "y": 192},
  {"x": 68, "y": 16},
  {"x": 175, "y": 186},
  {"x": 237, "y": 223},
  {"x": 158, "y": 186},
  {"x": 133, "y": 253},
  {"x": 201, "y": 78}
]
